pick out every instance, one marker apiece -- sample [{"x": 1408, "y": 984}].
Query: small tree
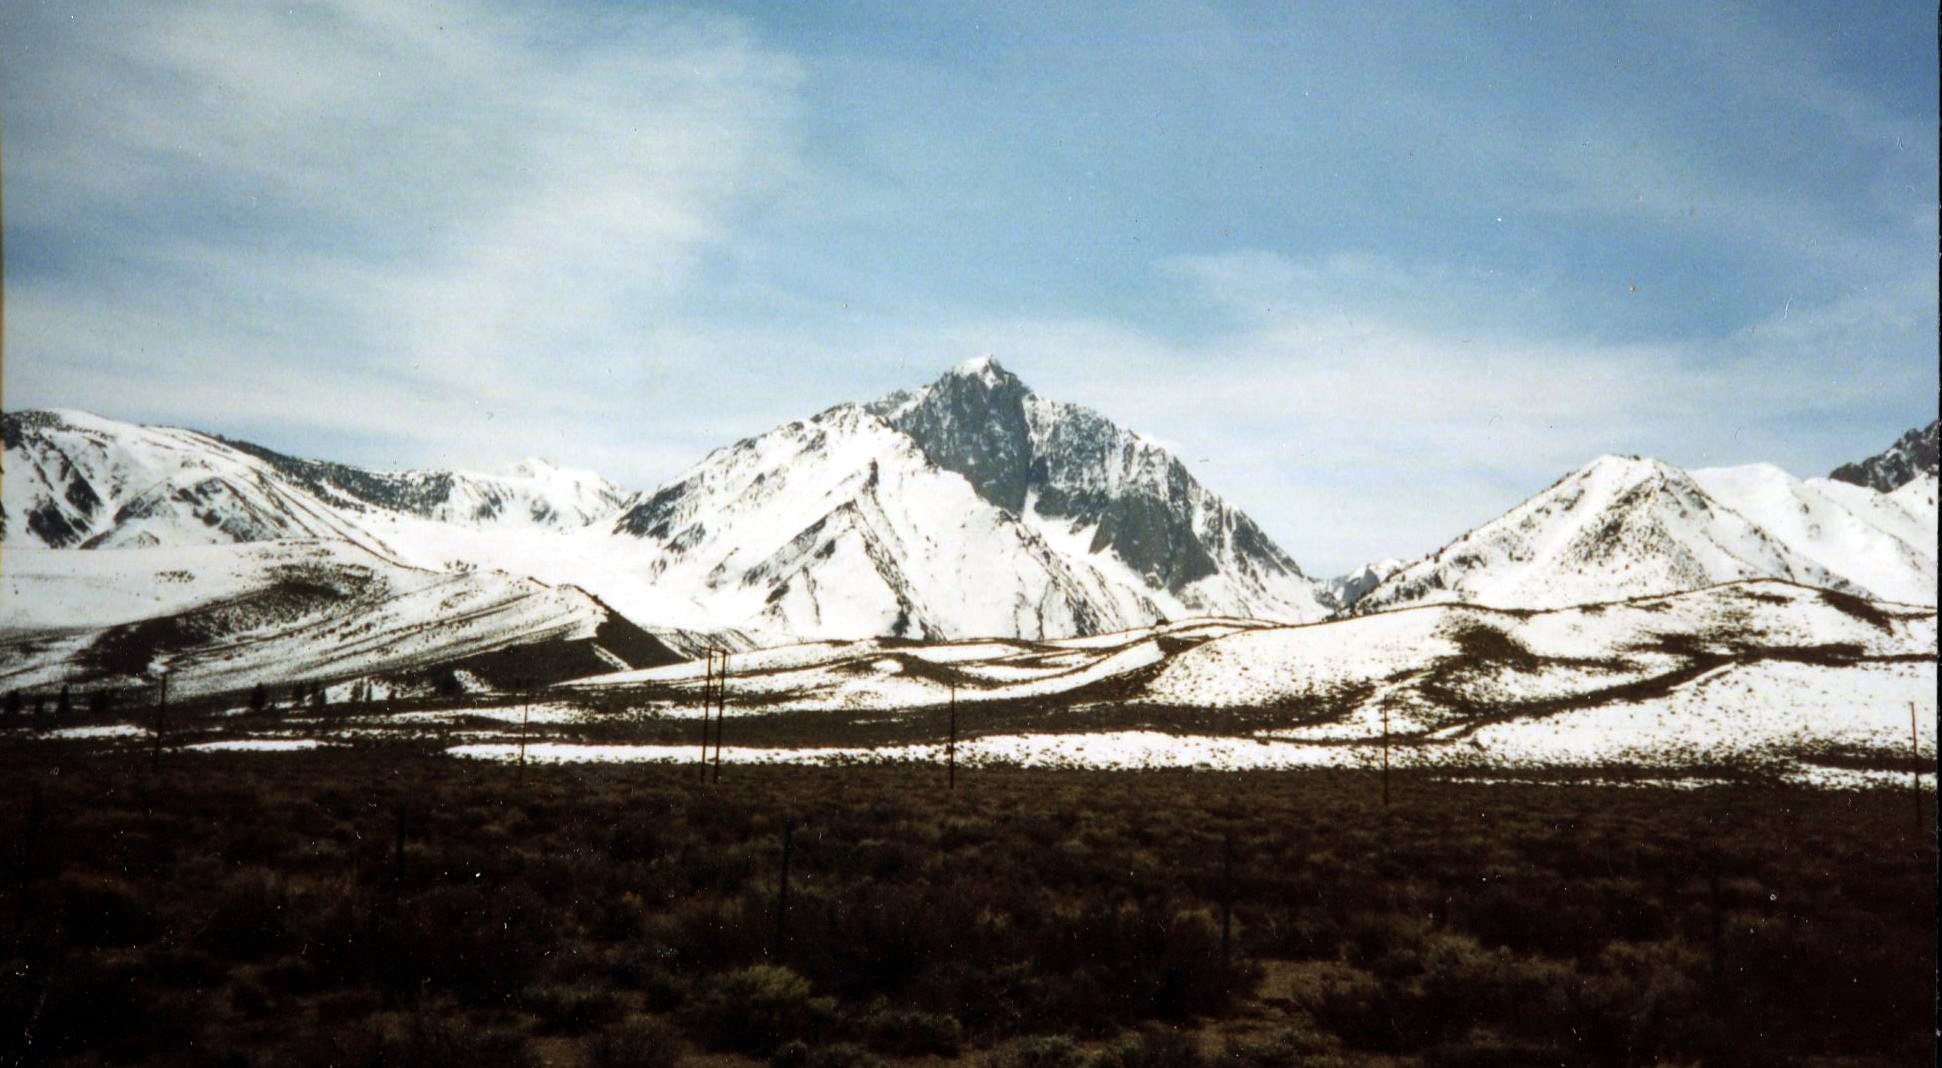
[
  {"x": 101, "y": 702},
  {"x": 318, "y": 699},
  {"x": 13, "y": 707},
  {"x": 259, "y": 698},
  {"x": 64, "y": 705}
]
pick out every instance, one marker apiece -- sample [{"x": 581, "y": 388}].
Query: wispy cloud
[{"x": 384, "y": 199}]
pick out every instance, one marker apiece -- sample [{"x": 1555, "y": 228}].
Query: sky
[{"x": 1376, "y": 272}]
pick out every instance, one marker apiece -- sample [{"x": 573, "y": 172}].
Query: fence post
[
  {"x": 1718, "y": 929},
  {"x": 525, "y": 714},
  {"x": 161, "y": 725},
  {"x": 1915, "y": 772},
  {"x": 951, "y": 747},
  {"x": 721, "y": 712},
  {"x": 707, "y": 701},
  {"x": 1227, "y": 899},
  {"x": 29, "y": 849},
  {"x": 398, "y": 850},
  {"x": 1385, "y": 756},
  {"x": 782, "y": 891}
]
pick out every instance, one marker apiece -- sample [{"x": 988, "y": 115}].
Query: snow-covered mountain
[
  {"x": 78, "y": 481},
  {"x": 970, "y": 507},
  {"x": 1913, "y": 455},
  {"x": 1345, "y": 590},
  {"x": 1619, "y": 527},
  {"x": 837, "y": 526},
  {"x": 1101, "y": 493},
  {"x": 75, "y": 480},
  {"x": 533, "y": 493}
]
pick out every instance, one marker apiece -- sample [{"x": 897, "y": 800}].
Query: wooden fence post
[
  {"x": 782, "y": 891},
  {"x": 1227, "y": 899},
  {"x": 951, "y": 747},
  {"x": 1718, "y": 929},
  {"x": 525, "y": 715},
  {"x": 721, "y": 712},
  {"x": 161, "y": 725},
  {"x": 398, "y": 850},
  {"x": 1915, "y": 773},
  {"x": 1385, "y": 756},
  {"x": 707, "y": 707}
]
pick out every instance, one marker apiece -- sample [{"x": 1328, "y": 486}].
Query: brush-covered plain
[{"x": 383, "y": 904}]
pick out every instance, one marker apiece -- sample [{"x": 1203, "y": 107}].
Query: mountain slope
[
  {"x": 531, "y": 493},
  {"x": 838, "y": 526},
  {"x": 1759, "y": 674},
  {"x": 1619, "y": 527},
  {"x": 224, "y": 617},
  {"x": 1914, "y": 454},
  {"x": 1882, "y": 543},
  {"x": 75, "y": 480}
]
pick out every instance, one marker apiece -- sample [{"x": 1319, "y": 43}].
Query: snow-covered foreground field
[{"x": 1765, "y": 677}]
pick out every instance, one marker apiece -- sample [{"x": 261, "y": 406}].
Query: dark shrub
[
  {"x": 906, "y": 1033},
  {"x": 1485, "y": 1050},
  {"x": 636, "y": 1043},
  {"x": 446, "y": 1040},
  {"x": 755, "y": 1009},
  {"x": 571, "y": 1009},
  {"x": 93, "y": 1005},
  {"x": 100, "y": 910},
  {"x": 252, "y": 918},
  {"x": 799, "y": 1054},
  {"x": 476, "y": 943},
  {"x": 1156, "y": 1047},
  {"x": 1038, "y": 1051},
  {"x": 1284, "y": 1048}
]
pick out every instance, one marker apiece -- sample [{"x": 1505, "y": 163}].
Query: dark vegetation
[{"x": 385, "y": 905}]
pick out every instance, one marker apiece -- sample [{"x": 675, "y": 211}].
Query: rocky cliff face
[
  {"x": 1075, "y": 474},
  {"x": 1912, "y": 455}
]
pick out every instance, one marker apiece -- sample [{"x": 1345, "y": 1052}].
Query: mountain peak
[
  {"x": 531, "y": 467},
  {"x": 1618, "y": 527},
  {"x": 983, "y": 369}
]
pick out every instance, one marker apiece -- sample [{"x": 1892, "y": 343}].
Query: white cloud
[
  {"x": 442, "y": 196},
  {"x": 1358, "y": 411}
]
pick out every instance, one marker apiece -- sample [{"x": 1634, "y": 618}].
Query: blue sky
[{"x": 1376, "y": 271}]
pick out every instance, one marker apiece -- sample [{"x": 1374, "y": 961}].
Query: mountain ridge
[
  {"x": 1619, "y": 526},
  {"x": 1914, "y": 454},
  {"x": 967, "y": 506}
]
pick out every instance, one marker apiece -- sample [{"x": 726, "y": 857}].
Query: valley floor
[{"x": 381, "y": 903}]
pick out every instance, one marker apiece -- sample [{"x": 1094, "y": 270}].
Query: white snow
[
  {"x": 111, "y": 730},
  {"x": 257, "y": 745},
  {"x": 277, "y": 609},
  {"x": 1619, "y": 527},
  {"x": 1869, "y": 538},
  {"x": 570, "y": 753},
  {"x": 540, "y": 713}
]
